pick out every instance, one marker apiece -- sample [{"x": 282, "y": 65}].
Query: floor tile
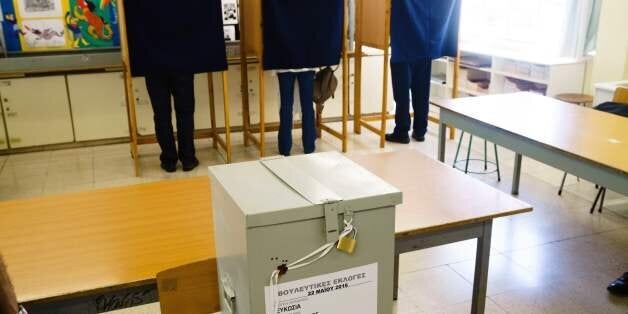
[{"x": 435, "y": 288}]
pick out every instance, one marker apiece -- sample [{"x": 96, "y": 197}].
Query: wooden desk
[
  {"x": 89, "y": 244},
  {"x": 442, "y": 206},
  {"x": 582, "y": 141},
  {"x": 83, "y": 245}
]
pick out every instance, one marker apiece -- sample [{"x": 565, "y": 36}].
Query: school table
[
  {"x": 582, "y": 141},
  {"x": 100, "y": 250}
]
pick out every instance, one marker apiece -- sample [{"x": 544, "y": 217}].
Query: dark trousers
[
  {"x": 411, "y": 77},
  {"x": 286, "y": 91},
  {"x": 162, "y": 88}
]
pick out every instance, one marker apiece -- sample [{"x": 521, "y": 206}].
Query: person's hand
[{"x": 8, "y": 301}]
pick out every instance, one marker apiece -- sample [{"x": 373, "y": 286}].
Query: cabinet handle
[
  {"x": 2, "y": 142},
  {"x": 6, "y": 100},
  {"x": 11, "y": 114},
  {"x": 15, "y": 140}
]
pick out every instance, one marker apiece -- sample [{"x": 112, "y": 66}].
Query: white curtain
[{"x": 534, "y": 28}]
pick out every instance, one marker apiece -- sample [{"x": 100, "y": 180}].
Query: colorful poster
[
  {"x": 45, "y": 25},
  {"x": 92, "y": 23}
]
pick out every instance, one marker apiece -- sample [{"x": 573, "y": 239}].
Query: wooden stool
[{"x": 576, "y": 99}]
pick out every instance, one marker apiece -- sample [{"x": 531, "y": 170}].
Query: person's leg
[
  {"x": 183, "y": 94},
  {"x": 400, "y": 74},
  {"x": 306, "y": 86},
  {"x": 286, "y": 92},
  {"x": 158, "y": 87},
  {"x": 420, "y": 86}
]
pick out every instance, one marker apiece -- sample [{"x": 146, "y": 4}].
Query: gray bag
[{"x": 325, "y": 84}]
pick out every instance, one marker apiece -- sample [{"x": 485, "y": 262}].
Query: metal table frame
[
  {"x": 478, "y": 230},
  {"x": 613, "y": 179}
]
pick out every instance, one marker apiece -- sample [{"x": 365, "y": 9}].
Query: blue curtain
[
  {"x": 302, "y": 34},
  {"x": 424, "y": 29},
  {"x": 170, "y": 37}
]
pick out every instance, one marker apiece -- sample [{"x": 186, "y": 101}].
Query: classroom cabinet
[
  {"x": 98, "y": 106},
  {"x": 36, "y": 111}
]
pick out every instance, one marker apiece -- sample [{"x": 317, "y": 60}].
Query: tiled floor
[{"x": 557, "y": 259}]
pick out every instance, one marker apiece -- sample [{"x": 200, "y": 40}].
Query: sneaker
[
  {"x": 395, "y": 138},
  {"x": 168, "y": 167},
  {"x": 418, "y": 138},
  {"x": 190, "y": 166}
]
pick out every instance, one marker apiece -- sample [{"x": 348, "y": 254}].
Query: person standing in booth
[
  {"x": 300, "y": 36},
  {"x": 421, "y": 31},
  {"x": 168, "y": 43}
]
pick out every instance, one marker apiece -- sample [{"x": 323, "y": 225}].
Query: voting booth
[{"x": 287, "y": 240}]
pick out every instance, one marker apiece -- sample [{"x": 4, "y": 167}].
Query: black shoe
[
  {"x": 190, "y": 166},
  {"x": 619, "y": 286},
  {"x": 396, "y": 138},
  {"x": 418, "y": 138},
  {"x": 168, "y": 167}
]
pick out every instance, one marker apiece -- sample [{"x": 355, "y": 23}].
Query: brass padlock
[{"x": 346, "y": 244}]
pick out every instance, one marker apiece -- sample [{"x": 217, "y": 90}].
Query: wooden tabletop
[
  {"x": 582, "y": 132},
  {"x": 578, "y": 99},
  {"x": 60, "y": 245},
  {"x": 435, "y": 196}
]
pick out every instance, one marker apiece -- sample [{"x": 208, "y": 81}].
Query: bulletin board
[{"x": 53, "y": 25}]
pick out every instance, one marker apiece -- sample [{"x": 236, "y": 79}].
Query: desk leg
[
  {"x": 481, "y": 269},
  {"x": 396, "y": 278},
  {"x": 516, "y": 177},
  {"x": 442, "y": 135}
]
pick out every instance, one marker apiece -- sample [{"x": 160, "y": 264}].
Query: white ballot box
[{"x": 303, "y": 234}]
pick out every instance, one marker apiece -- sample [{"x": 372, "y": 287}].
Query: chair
[
  {"x": 191, "y": 288},
  {"x": 620, "y": 96}
]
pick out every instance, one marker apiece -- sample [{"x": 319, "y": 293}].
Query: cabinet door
[
  {"x": 143, "y": 109},
  {"x": 98, "y": 106},
  {"x": 234, "y": 80},
  {"x": 3, "y": 135},
  {"x": 372, "y": 68},
  {"x": 36, "y": 111}
]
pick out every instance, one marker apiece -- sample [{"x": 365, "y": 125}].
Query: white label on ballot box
[{"x": 349, "y": 291}]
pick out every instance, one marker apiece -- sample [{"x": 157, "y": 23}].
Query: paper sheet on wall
[{"x": 349, "y": 291}]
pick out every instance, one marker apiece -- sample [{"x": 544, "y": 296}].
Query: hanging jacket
[
  {"x": 175, "y": 37},
  {"x": 424, "y": 29}
]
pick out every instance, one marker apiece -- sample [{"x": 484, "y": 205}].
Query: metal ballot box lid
[{"x": 286, "y": 189}]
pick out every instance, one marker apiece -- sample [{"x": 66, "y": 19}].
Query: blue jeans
[
  {"x": 411, "y": 77},
  {"x": 286, "y": 91}
]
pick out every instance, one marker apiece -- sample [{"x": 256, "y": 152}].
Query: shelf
[
  {"x": 508, "y": 74},
  {"x": 521, "y": 77},
  {"x": 472, "y": 92}
]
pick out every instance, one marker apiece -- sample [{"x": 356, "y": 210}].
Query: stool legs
[
  {"x": 562, "y": 184},
  {"x": 458, "y": 149},
  {"x": 466, "y": 166},
  {"x": 499, "y": 176},
  {"x": 485, "y": 162}
]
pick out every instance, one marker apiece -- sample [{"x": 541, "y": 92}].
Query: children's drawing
[
  {"x": 230, "y": 33},
  {"x": 42, "y": 33},
  {"x": 92, "y": 23},
  {"x": 39, "y": 8},
  {"x": 229, "y": 12}
]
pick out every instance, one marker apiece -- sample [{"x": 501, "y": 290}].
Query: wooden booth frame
[
  {"x": 136, "y": 138},
  {"x": 252, "y": 46},
  {"x": 371, "y": 35}
]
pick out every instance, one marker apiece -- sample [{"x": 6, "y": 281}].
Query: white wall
[{"x": 611, "y": 60}]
